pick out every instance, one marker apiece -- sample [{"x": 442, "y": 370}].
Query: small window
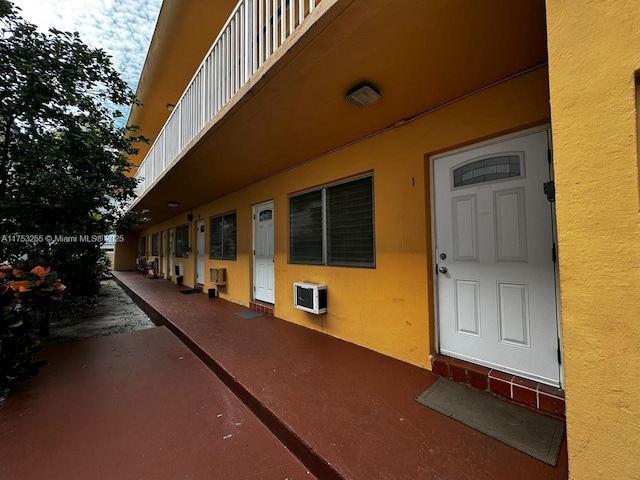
[
  {"x": 334, "y": 225},
  {"x": 154, "y": 244},
  {"x": 223, "y": 237},
  {"x": 265, "y": 215},
  {"x": 182, "y": 241},
  {"x": 488, "y": 169}
]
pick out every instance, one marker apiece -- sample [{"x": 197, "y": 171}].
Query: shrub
[{"x": 26, "y": 298}]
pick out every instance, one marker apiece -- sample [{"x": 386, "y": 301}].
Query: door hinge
[
  {"x": 554, "y": 253},
  {"x": 550, "y": 190},
  {"x": 559, "y": 353}
]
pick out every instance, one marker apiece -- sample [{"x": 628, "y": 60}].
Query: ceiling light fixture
[
  {"x": 363, "y": 95},
  {"x": 170, "y": 106},
  {"x": 173, "y": 204}
]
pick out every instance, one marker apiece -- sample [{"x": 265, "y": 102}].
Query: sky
[{"x": 122, "y": 28}]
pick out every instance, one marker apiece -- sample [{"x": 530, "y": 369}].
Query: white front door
[
  {"x": 163, "y": 254},
  {"x": 495, "y": 257},
  {"x": 171, "y": 251},
  {"x": 200, "y": 252},
  {"x": 263, "y": 250}
]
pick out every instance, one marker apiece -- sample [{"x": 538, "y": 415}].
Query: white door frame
[
  {"x": 432, "y": 196},
  {"x": 554, "y": 226},
  {"x": 257, "y": 207}
]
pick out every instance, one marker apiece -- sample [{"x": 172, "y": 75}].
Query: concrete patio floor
[
  {"x": 134, "y": 406},
  {"x": 140, "y": 405},
  {"x": 345, "y": 411}
]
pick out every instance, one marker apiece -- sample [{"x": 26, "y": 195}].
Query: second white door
[
  {"x": 200, "y": 252},
  {"x": 164, "y": 254},
  {"x": 263, "y": 253},
  {"x": 171, "y": 252}
]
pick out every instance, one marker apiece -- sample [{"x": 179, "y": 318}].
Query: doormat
[
  {"x": 188, "y": 292},
  {"x": 530, "y": 432},
  {"x": 249, "y": 314}
]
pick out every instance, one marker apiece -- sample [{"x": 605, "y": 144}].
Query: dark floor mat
[
  {"x": 188, "y": 292},
  {"x": 530, "y": 432},
  {"x": 249, "y": 314}
]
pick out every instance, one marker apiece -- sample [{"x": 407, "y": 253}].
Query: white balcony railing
[{"x": 254, "y": 31}]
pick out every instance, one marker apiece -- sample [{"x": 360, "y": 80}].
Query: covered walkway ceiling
[{"x": 419, "y": 53}]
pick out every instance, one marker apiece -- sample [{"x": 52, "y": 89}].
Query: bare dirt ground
[{"x": 115, "y": 313}]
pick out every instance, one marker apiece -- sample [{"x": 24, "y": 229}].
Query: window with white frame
[
  {"x": 223, "y": 237},
  {"x": 334, "y": 225}
]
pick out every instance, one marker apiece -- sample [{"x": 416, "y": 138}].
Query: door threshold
[
  {"x": 262, "y": 307},
  {"x": 546, "y": 399}
]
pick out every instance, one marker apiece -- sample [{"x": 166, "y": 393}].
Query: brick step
[{"x": 538, "y": 396}]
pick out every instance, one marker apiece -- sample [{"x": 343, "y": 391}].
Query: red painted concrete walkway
[
  {"x": 347, "y": 412},
  {"x": 134, "y": 406}
]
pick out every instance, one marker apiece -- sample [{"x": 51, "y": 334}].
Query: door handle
[{"x": 443, "y": 269}]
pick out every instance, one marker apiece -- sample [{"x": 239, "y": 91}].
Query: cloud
[{"x": 121, "y": 28}]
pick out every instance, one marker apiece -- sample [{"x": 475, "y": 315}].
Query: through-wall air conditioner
[
  {"x": 310, "y": 297},
  {"x": 179, "y": 268},
  {"x": 218, "y": 276}
]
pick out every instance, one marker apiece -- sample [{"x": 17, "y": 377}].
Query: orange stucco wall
[
  {"x": 387, "y": 308},
  {"x": 127, "y": 251},
  {"x": 594, "y": 55}
]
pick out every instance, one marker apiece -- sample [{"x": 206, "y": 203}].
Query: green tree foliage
[{"x": 63, "y": 160}]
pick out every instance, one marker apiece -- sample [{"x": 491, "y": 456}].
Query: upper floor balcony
[
  {"x": 270, "y": 91},
  {"x": 255, "y": 30}
]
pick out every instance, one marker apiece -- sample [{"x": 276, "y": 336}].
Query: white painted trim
[{"x": 434, "y": 255}]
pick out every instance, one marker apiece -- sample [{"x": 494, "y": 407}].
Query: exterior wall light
[
  {"x": 170, "y": 107},
  {"x": 363, "y": 95},
  {"x": 173, "y": 204}
]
